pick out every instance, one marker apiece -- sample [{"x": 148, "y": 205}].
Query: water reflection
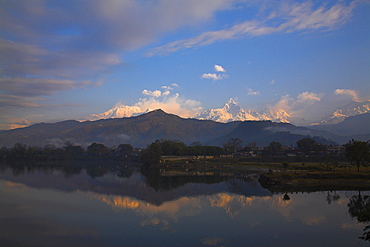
[
  {"x": 125, "y": 208},
  {"x": 130, "y": 180},
  {"x": 359, "y": 208}
]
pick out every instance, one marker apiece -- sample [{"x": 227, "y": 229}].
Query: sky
[{"x": 63, "y": 60}]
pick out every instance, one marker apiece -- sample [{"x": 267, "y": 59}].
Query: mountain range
[
  {"x": 118, "y": 111},
  {"x": 354, "y": 125},
  {"x": 231, "y": 111},
  {"x": 139, "y": 131},
  {"x": 352, "y": 109}
]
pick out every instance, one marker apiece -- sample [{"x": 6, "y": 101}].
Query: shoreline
[
  {"x": 314, "y": 181},
  {"x": 273, "y": 177}
]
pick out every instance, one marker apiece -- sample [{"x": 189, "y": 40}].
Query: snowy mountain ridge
[
  {"x": 349, "y": 110},
  {"x": 232, "y": 112},
  {"x": 119, "y": 111}
]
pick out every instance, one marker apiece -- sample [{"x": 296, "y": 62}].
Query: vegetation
[
  {"x": 233, "y": 145},
  {"x": 70, "y": 151},
  {"x": 232, "y": 153},
  {"x": 274, "y": 148},
  {"x": 359, "y": 208},
  {"x": 152, "y": 155},
  {"x": 308, "y": 151},
  {"x": 358, "y": 153},
  {"x": 311, "y": 166},
  {"x": 308, "y": 146}
]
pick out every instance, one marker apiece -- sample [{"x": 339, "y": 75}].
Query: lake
[{"x": 75, "y": 206}]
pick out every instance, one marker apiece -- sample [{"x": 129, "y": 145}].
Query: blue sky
[{"x": 69, "y": 59}]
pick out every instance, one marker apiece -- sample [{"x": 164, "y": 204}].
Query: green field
[{"x": 277, "y": 177}]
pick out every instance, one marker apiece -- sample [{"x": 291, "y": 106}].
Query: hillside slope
[{"x": 138, "y": 131}]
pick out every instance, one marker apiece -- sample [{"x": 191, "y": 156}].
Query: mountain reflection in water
[
  {"x": 122, "y": 207},
  {"x": 152, "y": 188}
]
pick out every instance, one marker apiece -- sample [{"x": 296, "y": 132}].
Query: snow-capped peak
[
  {"x": 231, "y": 111},
  {"x": 118, "y": 111},
  {"x": 229, "y": 104},
  {"x": 352, "y": 109},
  {"x": 232, "y": 107}
]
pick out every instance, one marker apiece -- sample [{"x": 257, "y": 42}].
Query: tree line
[
  {"x": 70, "y": 151},
  {"x": 154, "y": 152},
  {"x": 356, "y": 152},
  {"x": 307, "y": 149}
]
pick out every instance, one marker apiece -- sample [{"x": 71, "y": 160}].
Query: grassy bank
[
  {"x": 314, "y": 181},
  {"x": 279, "y": 177},
  {"x": 242, "y": 164}
]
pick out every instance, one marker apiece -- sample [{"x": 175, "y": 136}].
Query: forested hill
[
  {"x": 265, "y": 132},
  {"x": 138, "y": 131},
  {"x": 142, "y": 130}
]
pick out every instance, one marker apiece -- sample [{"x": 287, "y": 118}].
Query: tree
[
  {"x": 286, "y": 197},
  {"x": 97, "y": 149},
  {"x": 204, "y": 150},
  {"x": 33, "y": 152},
  {"x": 196, "y": 144},
  {"x": 125, "y": 150},
  {"x": 359, "y": 208},
  {"x": 273, "y": 148},
  {"x": 73, "y": 152},
  {"x": 285, "y": 165},
  {"x": 152, "y": 154},
  {"x": 51, "y": 152},
  {"x": 308, "y": 145},
  {"x": 232, "y": 145},
  {"x": 252, "y": 146},
  {"x": 171, "y": 147},
  {"x": 4, "y": 151},
  {"x": 358, "y": 153},
  {"x": 18, "y": 151}
]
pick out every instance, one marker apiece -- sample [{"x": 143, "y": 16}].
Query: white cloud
[
  {"x": 272, "y": 82},
  {"x": 155, "y": 93},
  {"x": 216, "y": 76},
  {"x": 283, "y": 17},
  {"x": 313, "y": 107},
  {"x": 167, "y": 87},
  {"x": 157, "y": 99},
  {"x": 14, "y": 123},
  {"x": 8, "y": 102},
  {"x": 170, "y": 103},
  {"x": 35, "y": 87},
  {"x": 307, "y": 97},
  {"x": 213, "y": 76},
  {"x": 251, "y": 92},
  {"x": 283, "y": 104},
  {"x": 298, "y": 104},
  {"x": 166, "y": 93},
  {"x": 306, "y": 105},
  {"x": 55, "y": 42},
  {"x": 219, "y": 68},
  {"x": 349, "y": 92}
]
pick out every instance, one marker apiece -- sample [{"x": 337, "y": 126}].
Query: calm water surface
[{"x": 78, "y": 207}]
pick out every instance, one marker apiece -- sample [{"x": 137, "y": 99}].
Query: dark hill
[
  {"x": 144, "y": 129},
  {"x": 355, "y": 125},
  {"x": 265, "y": 132},
  {"x": 138, "y": 131}
]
